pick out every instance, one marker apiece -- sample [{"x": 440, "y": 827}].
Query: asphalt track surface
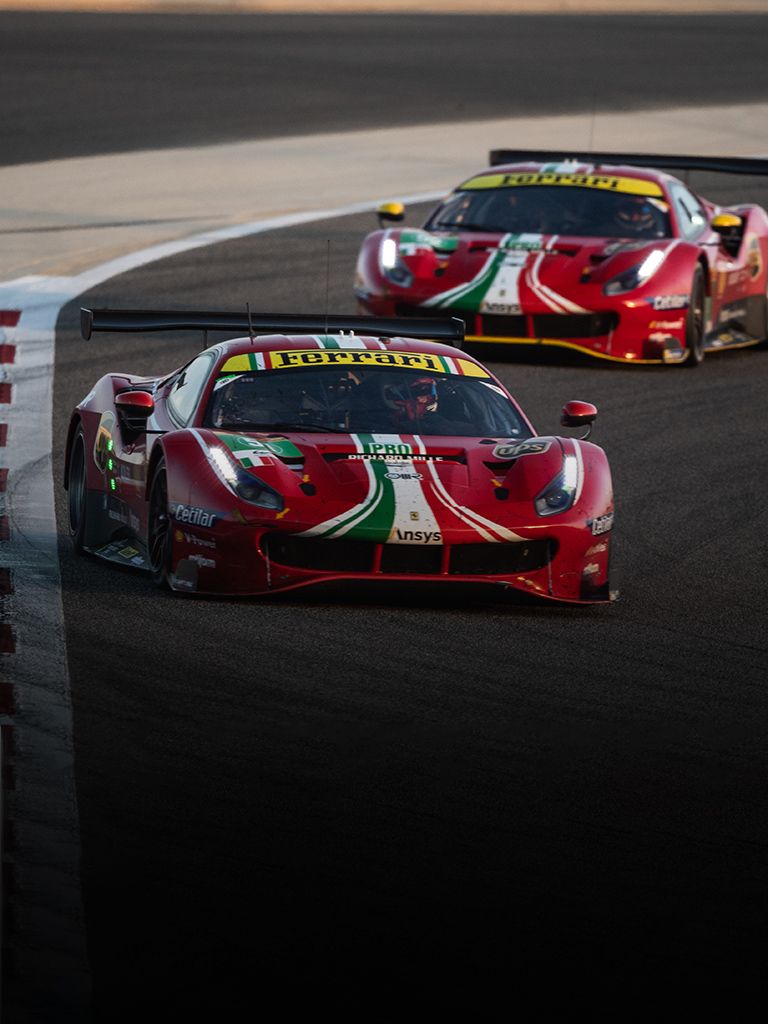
[
  {"x": 150, "y": 81},
  {"x": 384, "y": 804},
  {"x": 360, "y": 794}
]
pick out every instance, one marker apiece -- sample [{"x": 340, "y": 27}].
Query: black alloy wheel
[
  {"x": 159, "y": 532},
  {"x": 77, "y": 491},
  {"x": 694, "y": 324}
]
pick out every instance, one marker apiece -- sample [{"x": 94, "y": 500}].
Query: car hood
[
  {"x": 495, "y": 273},
  {"x": 398, "y": 488}
]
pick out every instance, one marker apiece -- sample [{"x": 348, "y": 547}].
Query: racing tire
[
  {"x": 159, "y": 529},
  {"x": 694, "y": 323},
  {"x": 77, "y": 490}
]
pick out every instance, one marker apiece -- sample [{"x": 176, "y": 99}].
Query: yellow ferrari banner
[{"x": 608, "y": 182}]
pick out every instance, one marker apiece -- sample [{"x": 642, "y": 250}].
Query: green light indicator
[
  {"x": 110, "y": 445},
  {"x": 113, "y": 485},
  {"x": 109, "y": 464}
]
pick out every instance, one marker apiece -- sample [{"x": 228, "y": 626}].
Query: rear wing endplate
[
  {"x": 724, "y": 164},
  {"x": 447, "y": 329}
]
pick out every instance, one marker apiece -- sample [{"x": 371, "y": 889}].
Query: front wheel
[
  {"x": 694, "y": 324},
  {"x": 159, "y": 528},
  {"x": 78, "y": 491}
]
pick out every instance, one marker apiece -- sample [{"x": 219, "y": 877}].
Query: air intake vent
[
  {"x": 582, "y": 325},
  {"x": 405, "y": 558},
  {"x": 498, "y": 559},
  {"x": 322, "y": 555}
]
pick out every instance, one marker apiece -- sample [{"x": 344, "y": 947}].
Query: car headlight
[
  {"x": 632, "y": 278},
  {"x": 245, "y": 485},
  {"x": 392, "y": 266},
  {"x": 559, "y": 493},
  {"x": 251, "y": 489}
]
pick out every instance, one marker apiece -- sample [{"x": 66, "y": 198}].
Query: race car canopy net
[
  {"x": 724, "y": 164},
  {"x": 448, "y": 329}
]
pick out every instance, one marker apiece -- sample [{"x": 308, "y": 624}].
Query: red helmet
[
  {"x": 412, "y": 400},
  {"x": 635, "y": 215}
]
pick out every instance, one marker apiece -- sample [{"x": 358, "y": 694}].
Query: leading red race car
[
  {"x": 273, "y": 462},
  {"x": 603, "y": 253}
]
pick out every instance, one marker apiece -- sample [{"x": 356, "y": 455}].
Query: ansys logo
[{"x": 419, "y": 536}]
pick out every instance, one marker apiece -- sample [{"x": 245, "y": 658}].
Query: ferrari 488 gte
[
  {"x": 605, "y": 253},
  {"x": 312, "y": 453}
]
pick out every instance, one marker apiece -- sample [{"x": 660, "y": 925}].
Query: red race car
[
  {"x": 604, "y": 253},
  {"x": 273, "y": 462}
]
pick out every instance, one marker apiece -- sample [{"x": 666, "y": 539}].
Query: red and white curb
[{"x": 43, "y": 923}]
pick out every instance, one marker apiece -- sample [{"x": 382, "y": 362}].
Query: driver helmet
[
  {"x": 634, "y": 215},
  {"x": 414, "y": 399}
]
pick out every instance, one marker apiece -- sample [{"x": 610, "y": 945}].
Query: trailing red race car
[
  {"x": 603, "y": 253},
  {"x": 273, "y": 462}
]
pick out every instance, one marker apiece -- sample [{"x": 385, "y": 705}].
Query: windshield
[
  {"x": 553, "y": 210},
  {"x": 369, "y": 399}
]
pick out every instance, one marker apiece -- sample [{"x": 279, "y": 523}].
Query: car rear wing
[
  {"x": 666, "y": 162},
  {"x": 447, "y": 329}
]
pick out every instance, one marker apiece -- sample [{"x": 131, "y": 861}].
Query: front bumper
[
  {"x": 567, "y": 565},
  {"x": 628, "y": 333}
]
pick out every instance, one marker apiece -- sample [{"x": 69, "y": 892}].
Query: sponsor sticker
[
  {"x": 419, "y": 536},
  {"x": 609, "y": 182},
  {"x": 660, "y": 302},
  {"x": 252, "y": 451},
  {"x": 298, "y": 358},
  {"x": 403, "y": 475},
  {"x": 103, "y": 443},
  {"x": 602, "y": 524},
  {"x": 514, "y": 451},
  {"x": 501, "y": 308},
  {"x": 195, "y": 541},
  {"x": 324, "y": 357},
  {"x": 380, "y": 448},
  {"x": 524, "y": 243},
  {"x": 754, "y": 260},
  {"x": 666, "y": 325},
  {"x": 202, "y": 561},
  {"x": 193, "y": 514},
  {"x": 381, "y": 457},
  {"x": 732, "y": 313}
]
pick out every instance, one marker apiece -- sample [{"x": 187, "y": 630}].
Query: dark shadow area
[{"x": 389, "y": 804}]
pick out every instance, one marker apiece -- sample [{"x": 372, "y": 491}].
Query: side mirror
[
  {"x": 134, "y": 408},
  {"x": 731, "y": 230},
  {"x": 579, "y": 414},
  {"x": 390, "y": 211}
]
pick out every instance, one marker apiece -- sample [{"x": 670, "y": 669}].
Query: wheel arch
[
  {"x": 75, "y": 422},
  {"x": 187, "y": 468},
  {"x": 158, "y": 453},
  {"x": 703, "y": 262}
]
